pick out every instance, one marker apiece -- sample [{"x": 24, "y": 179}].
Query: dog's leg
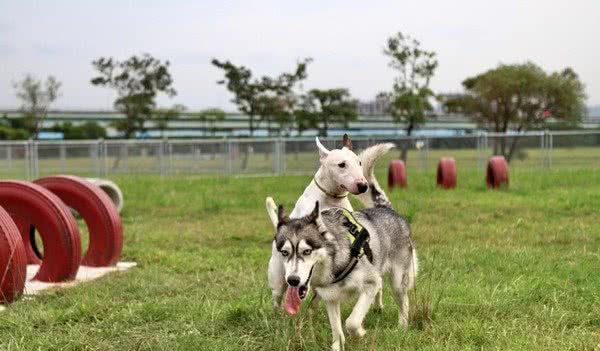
[
  {"x": 276, "y": 275},
  {"x": 379, "y": 299},
  {"x": 355, "y": 320},
  {"x": 335, "y": 320},
  {"x": 400, "y": 284}
]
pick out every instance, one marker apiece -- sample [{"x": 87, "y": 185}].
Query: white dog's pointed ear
[{"x": 323, "y": 152}]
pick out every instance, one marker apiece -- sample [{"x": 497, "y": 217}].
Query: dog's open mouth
[{"x": 295, "y": 295}]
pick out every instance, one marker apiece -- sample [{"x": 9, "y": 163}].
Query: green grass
[{"x": 512, "y": 269}]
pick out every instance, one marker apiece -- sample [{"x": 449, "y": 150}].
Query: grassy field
[{"x": 516, "y": 269}]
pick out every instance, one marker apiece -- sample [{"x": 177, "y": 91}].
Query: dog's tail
[{"x": 375, "y": 196}]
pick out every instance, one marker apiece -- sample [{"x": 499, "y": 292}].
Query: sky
[{"x": 344, "y": 38}]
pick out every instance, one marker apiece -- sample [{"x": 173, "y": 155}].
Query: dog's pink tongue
[{"x": 292, "y": 300}]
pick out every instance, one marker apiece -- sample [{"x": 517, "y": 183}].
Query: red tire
[
  {"x": 446, "y": 173},
  {"x": 99, "y": 213},
  {"x": 30, "y": 204},
  {"x": 397, "y": 174},
  {"x": 497, "y": 172},
  {"x": 13, "y": 261}
]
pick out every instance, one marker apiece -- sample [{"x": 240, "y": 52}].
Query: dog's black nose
[
  {"x": 293, "y": 280},
  {"x": 363, "y": 187}
]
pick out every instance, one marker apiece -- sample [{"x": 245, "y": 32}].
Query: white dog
[{"x": 341, "y": 172}]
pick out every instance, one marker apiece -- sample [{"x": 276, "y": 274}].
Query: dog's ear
[
  {"x": 323, "y": 152},
  {"x": 346, "y": 142},
  {"x": 272, "y": 211},
  {"x": 281, "y": 217},
  {"x": 314, "y": 215}
]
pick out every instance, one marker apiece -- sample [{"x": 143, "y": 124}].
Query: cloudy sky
[{"x": 345, "y": 39}]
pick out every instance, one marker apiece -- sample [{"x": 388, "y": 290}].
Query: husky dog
[
  {"x": 341, "y": 172},
  {"x": 316, "y": 252}
]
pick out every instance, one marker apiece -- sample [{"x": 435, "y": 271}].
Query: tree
[
  {"x": 519, "y": 96},
  {"x": 137, "y": 81},
  {"x": 255, "y": 97},
  {"x": 211, "y": 116},
  {"x": 36, "y": 97},
  {"x": 410, "y": 97},
  {"x": 278, "y": 109},
  {"x": 162, "y": 116},
  {"x": 321, "y": 108},
  {"x": 88, "y": 130}
]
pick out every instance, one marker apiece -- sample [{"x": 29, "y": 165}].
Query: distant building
[{"x": 376, "y": 107}]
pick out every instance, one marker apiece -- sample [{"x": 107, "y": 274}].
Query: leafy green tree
[
  {"x": 212, "y": 116},
  {"x": 277, "y": 109},
  {"x": 321, "y": 108},
  {"x": 88, "y": 130},
  {"x": 411, "y": 95},
  {"x": 257, "y": 97},
  {"x": 137, "y": 81},
  {"x": 520, "y": 97},
  {"x": 36, "y": 97},
  {"x": 162, "y": 116}
]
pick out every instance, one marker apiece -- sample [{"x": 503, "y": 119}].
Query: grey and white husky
[{"x": 316, "y": 251}]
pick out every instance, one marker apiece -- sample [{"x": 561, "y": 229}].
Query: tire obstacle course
[
  {"x": 446, "y": 173},
  {"x": 397, "y": 174},
  {"x": 496, "y": 173},
  {"x": 45, "y": 205}
]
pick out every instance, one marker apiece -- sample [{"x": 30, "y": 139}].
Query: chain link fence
[{"x": 101, "y": 158}]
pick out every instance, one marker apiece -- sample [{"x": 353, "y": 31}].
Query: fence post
[
  {"x": 543, "y": 151},
  {"x": 551, "y": 149},
  {"x": 27, "y": 159},
  {"x": 9, "y": 157},
  {"x": 161, "y": 158},
  {"x": 63, "y": 156},
  {"x": 98, "y": 165},
  {"x": 229, "y": 157},
  {"x": 282, "y": 155}
]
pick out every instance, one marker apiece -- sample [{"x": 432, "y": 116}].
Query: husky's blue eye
[
  {"x": 307, "y": 252},
  {"x": 284, "y": 253},
  {"x": 342, "y": 165}
]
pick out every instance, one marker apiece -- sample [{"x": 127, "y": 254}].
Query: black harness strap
[{"x": 359, "y": 247}]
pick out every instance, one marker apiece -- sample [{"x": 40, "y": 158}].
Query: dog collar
[{"x": 328, "y": 193}]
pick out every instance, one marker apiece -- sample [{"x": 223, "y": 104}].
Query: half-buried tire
[
  {"x": 13, "y": 261},
  {"x": 497, "y": 172},
  {"x": 99, "y": 213},
  {"x": 446, "y": 173},
  {"x": 397, "y": 174},
  {"x": 30, "y": 204}
]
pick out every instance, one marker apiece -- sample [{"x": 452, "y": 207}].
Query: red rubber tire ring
[
  {"x": 497, "y": 172},
  {"x": 99, "y": 213},
  {"x": 397, "y": 174},
  {"x": 31, "y": 204},
  {"x": 13, "y": 260},
  {"x": 446, "y": 173}
]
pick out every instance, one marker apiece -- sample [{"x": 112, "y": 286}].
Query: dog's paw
[
  {"x": 355, "y": 329},
  {"x": 357, "y": 332},
  {"x": 337, "y": 346}
]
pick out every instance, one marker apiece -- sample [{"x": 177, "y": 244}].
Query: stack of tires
[{"x": 46, "y": 205}]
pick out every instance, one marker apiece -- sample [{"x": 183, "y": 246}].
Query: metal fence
[{"x": 31, "y": 159}]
